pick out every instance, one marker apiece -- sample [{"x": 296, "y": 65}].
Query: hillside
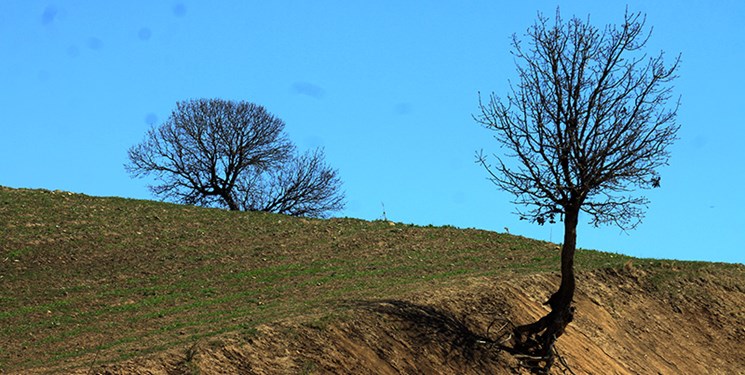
[{"x": 115, "y": 285}]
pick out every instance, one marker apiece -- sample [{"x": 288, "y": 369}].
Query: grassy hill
[{"x": 88, "y": 280}]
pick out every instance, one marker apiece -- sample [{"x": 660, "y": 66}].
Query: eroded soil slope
[{"x": 628, "y": 321}]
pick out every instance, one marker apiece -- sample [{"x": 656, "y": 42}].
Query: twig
[
  {"x": 93, "y": 363},
  {"x": 499, "y": 330},
  {"x": 531, "y": 357},
  {"x": 563, "y": 361}
]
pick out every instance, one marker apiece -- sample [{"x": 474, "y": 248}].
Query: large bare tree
[
  {"x": 214, "y": 152},
  {"x": 588, "y": 124}
]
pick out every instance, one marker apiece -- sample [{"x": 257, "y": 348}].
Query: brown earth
[{"x": 628, "y": 321}]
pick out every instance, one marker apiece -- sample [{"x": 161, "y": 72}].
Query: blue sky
[{"x": 386, "y": 87}]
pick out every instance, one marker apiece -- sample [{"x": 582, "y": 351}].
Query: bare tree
[
  {"x": 213, "y": 152},
  {"x": 305, "y": 186},
  {"x": 587, "y": 124}
]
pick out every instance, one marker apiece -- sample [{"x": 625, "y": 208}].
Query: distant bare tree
[
  {"x": 586, "y": 125},
  {"x": 304, "y": 186},
  {"x": 213, "y": 152}
]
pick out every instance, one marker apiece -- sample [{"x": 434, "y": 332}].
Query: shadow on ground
[{"x": 458, "y": 338}]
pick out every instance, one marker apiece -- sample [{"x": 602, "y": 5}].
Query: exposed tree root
[{"x": 534, "y": 344}]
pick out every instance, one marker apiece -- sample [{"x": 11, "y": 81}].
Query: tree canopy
[
  {"x": 214, "y": 152},
  {"x": 588, "y": 122}
]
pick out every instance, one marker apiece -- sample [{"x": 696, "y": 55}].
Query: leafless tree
[
  {"x": 214, "y": 152},
  {"x": 305, "y": 186},
  {"x": 588, "y": 123}
]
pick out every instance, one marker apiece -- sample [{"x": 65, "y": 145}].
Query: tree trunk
[
  {"x": 229, "y": 201},
  {"x": 537, "y": 339}
]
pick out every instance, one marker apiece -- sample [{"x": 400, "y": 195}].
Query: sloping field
[
  {"x": 634, "y": 330},
  {"x": 125, "y": 286}
]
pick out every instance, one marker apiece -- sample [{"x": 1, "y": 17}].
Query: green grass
[{"x": 109, "y": 278}]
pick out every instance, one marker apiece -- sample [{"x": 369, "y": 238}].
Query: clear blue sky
[{"x": 387, "y": 87}]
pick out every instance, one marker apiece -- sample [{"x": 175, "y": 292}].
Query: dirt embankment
[{"x": 627, "y": 322}]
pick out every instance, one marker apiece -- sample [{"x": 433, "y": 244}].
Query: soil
[{"x": 628, "y": 321}]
